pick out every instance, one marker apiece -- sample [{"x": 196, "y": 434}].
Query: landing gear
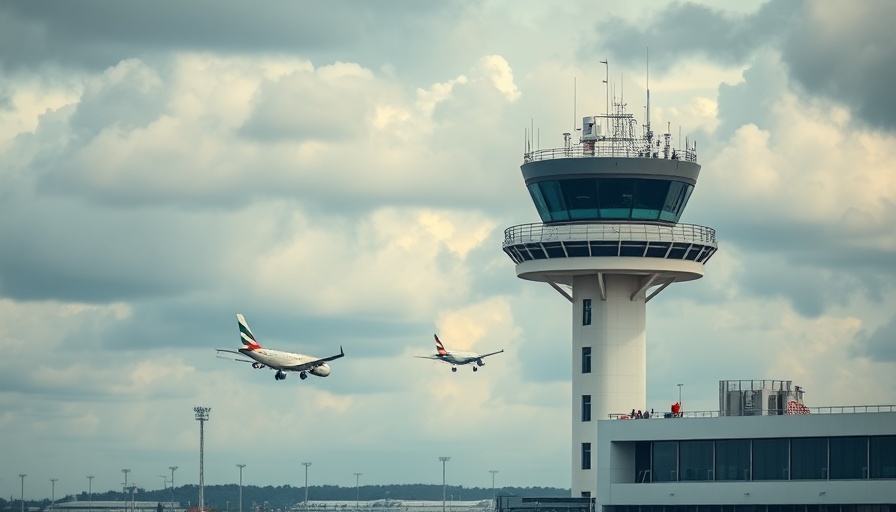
[
  {"x": 475, "y": 369},
  {"x": 303, "y": 375},
  {"x": 279, "y": 375},
  {"x": 454, "y": 368}
]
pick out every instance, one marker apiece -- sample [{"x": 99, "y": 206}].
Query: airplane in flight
[
  {"x": 276, "y": 359},
  {"x": 457, "y": 358}
]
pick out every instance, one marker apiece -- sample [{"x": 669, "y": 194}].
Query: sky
[{"x": 341, "y": 173}]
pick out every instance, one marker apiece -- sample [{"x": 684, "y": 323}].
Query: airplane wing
[
  {"x": 229, "y": 358},
  {"x": 313, "y": 364},
  {"x": 490, "y": 354},
  {"x": 437, "y": 358}
]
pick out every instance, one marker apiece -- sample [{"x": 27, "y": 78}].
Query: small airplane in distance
[
  {"x": 278, "y": 360},
  {"x": 457, "y": 358}
]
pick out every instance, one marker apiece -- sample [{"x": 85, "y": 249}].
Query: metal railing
[
  {"x": 623, "y": 149},
  {"x": 594, "y": 231},
  {"x": 830, "y": 409}
]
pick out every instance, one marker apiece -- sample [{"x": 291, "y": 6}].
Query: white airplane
[
  {"x": 456, "y": 358},
  {"x": 278, "y": 360}
]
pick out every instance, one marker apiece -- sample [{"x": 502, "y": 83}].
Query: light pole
[
  {"x": 201, "y": 417},
  {"x": 22, "y": 476},
  {"x": 357, "y": 490},
  {"x": 172, "y": 468},
  {"x": 494, "y": 496},
  {"x": 125, "y": 488},
  {"x": 90, "y": 489},
  {"x": 241, "y": 466},
  {"x": 306, "y": 464},
  {"x": 679, "y": 395},
  {"x": 444, "y": 460},
  {"x": 52, "y": 492}
]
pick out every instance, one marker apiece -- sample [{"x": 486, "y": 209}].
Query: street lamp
[
  {"x": 22, "y": 476},
  {"x": 241, "y": 466},
  {"x": 679, "y": 394},
  {"x": 494, "y": 496},
  {"x": 125, "y": 471},
  {"x": 52, "y": 492},
  {"x": 306, "y": 464},
  {"x": 172, "y": 468},
  {"x": 201, "y": 417},
  {"x": 444, "y": 460},
  {"x": 357, "y": 490}
]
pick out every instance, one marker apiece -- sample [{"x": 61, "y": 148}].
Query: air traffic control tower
[{"x": 609, "y": 242}]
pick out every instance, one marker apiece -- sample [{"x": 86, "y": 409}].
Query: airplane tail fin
[
  {"x": 439, "y": 347},
  {"x": 246, "y": 335}
]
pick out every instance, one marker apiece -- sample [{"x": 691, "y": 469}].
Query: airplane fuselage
[
  {"x": 460, "y": 357},
  {"x": 278, "y": 359}
]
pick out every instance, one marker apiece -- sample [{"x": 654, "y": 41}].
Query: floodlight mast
[
  {"x": 201, "y": 417},
  {"x": 172, "y": 468},
  {"x": 22, "y": 501},
  {"x": 306, "y": 464},
  {"x": 241, "y": 466},
  {"x": 444, "y": 460}
]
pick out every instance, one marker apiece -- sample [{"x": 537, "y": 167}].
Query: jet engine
[
  {"x": 480, "y": 362},
  {"x": 257, "y": 365},
  {"x": 321, "y": 371}
]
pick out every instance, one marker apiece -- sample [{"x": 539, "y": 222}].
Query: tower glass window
[
  {"x": 586, "y": 312},
  {"x": 577, "y": 199},
  {"x": 586, "y": 455},
  {"x": 586, "y": 359},
  {"x": 586, "y": 407}
]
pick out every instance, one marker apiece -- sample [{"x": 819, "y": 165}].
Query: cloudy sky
[{"x": 342, "y": 173}]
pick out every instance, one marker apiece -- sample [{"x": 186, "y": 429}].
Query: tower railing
[
  {"x": 604, "y": 151},
  {"x": 599, "y": 231}
]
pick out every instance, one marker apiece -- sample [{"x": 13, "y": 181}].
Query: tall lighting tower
[
  {"x": 609, "y": 241},
  {"x": 172, "y": 468},
  {"x": 201, "y": 417},
  {"x": 494, "y": 495},
  {"x": 90, "y": 489},
  {"x": 444, "y": 460},
  {"x": 358, "y": 490},
  {"x": 306, "y": 464},
  {"x": 22, "y": 476},
  {"x": 125, "y": 471},
  {"x": 241, "y": 466},
  {"x": 53, "y": 492}
]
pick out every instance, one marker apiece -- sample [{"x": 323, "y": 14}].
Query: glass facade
[
  {"x": 733, "y": 459},
  {"x": 799, "y": 458},
  {"x": 771, "y": 459},
  {"x": 581, "y": 199}
]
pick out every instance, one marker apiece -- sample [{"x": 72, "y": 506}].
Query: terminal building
[{"x": 609, "y": 241}]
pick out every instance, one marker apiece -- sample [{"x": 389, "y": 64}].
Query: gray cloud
[
  {"x": 680, "y": 30},
  {"x": 880, "y": 345},
  {"x": 95, "y": 34},
  {"x": 846, "y": 52}
]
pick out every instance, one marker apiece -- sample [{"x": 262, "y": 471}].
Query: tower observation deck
[{"x": 609, "y": 241}]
